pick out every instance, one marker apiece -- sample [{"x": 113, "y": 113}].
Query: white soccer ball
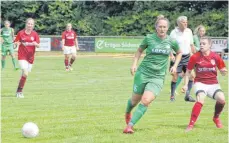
[{"x": 30, "y": 130}]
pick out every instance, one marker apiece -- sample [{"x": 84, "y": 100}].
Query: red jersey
[
  {"x": 206, "y": 67},
  {"x": 27, "y": 52},
  {"x": 69, "y": 37}
]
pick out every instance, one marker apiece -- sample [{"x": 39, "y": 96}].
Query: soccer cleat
[
  {"x": 189, "y": 128},
  {"x": 218, "y": 123},
  {"x": 189, "y": 99},
  {"x": 128, "y": 130},
  {"x": 19, "y": 95},
  {"x": 172, "y": 98},
  {"x": 127, "y": 118}
]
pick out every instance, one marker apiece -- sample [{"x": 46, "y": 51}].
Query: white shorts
[
  {"x": 208, "y": 89},
  {"x": 69, "y": 50},
  {"x": 25, "y": 65}
]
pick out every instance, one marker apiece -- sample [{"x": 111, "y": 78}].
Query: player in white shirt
[{"x": 184, "y": 37}]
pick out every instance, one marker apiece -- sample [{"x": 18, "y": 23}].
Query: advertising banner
[
  {"x": 86, "y": 44},
  {"x": 117, "y": 45},
  {"x": 218, "y": 44},
  {"x": 45, "y": 44}
]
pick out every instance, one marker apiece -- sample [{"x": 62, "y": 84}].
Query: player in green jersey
[
  {"x": 150, "y": 75},
  {"x": 7, "y": 37},
  {"x": 199, "y": 32}
]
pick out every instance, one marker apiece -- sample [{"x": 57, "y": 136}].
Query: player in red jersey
[
  {"x": 27, "y": 40},
  {"x": 69, "y": 46},
  {"x": 205, "y": 64}
]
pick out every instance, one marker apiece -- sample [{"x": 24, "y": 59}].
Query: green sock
[
  {"x": 178, "y": 81},
  {"x": 14, "y": 62},
  {"x": 129, "y": 106},
  {"x": 141, "y": 109},
  {"x": 3, "y": 64}
]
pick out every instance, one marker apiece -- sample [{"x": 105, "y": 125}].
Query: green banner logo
[{"x": 117, "y": 45}]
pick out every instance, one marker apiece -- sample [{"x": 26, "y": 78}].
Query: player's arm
[
  {"x": 176, "y": 48},
  {"x": 1, "y": 39},
  {"x": 12, "y": 34},
  {"x": 135, "y": 60},
  {"x": 221, "y": 66},
  {"x": 193, "y": 49},
  {"x": 37, "y": 42},
  {"x": 172, "y": 57},
  {"x": 17, "y": 41}
]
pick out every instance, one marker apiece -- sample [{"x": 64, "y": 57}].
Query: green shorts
[
  {"x": 7, "y": 48},
  {"x": 141, "y": 84}
]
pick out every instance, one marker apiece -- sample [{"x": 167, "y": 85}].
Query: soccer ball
[{"x": 30, "y": 130}]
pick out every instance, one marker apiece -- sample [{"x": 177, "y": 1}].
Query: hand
[
  {"x": 223, "y": 71},
  {"x": 133, "y": 69},
  {"x": 77, "y": 48},
  {"x": 173, "y": 70},
  {"x": 35, "y": 43},
  {"x": 172, "y": 58},
  {"x": 184, "y": 88}
]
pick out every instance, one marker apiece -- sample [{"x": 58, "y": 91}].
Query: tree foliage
[{"x": 127, "y": 18}]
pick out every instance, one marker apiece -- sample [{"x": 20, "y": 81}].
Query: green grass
[{"x": 87, "y": 106}]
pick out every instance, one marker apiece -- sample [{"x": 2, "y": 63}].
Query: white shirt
[{"x": 184, "y": 39}]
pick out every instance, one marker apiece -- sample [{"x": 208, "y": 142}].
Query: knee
[
  {"x": 25, "y": 73},
  {"x": 73, "y": 56},
  {"x": 146, "y": 101},
  {"x": 220, "y": 97}
]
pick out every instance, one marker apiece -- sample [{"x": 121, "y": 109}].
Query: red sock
[
  {"x": 195, "y": 113},
  {"x": 218, "y": 108},
  {"x": 71, "y": 61},
  {"x": 21, "y": 84},
  {"x": 66, "y": 63}
]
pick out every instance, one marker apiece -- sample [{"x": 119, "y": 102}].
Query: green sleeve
[
  {"x": 144, "y": 43},
  {"x": 175, "y": 45},
  {"x": 196, "y": 42}
]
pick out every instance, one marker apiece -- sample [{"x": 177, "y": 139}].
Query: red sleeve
[
  {"x": 220, "y": 63},
  {"x": 191, "y": 62},
  {"x": 37, "y": 38},
  {"x": 63, "y": 35},
  {"x": 17, "y": 37}
]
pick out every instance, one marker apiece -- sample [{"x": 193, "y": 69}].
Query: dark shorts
[
  {"x": 225, "y": 50},
  {"x": 182, "y": 66}
]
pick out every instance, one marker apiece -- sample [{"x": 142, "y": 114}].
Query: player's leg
[
  {"x": 216, "y": 93},
  {"x": 151, "y": 91},
  {"x": 200, "y": 90},
  {"x": 3, "y": 59},
  {"x": 73, "y": 57},
  {"x": 131, "y": 103},
  {"x": 173, "y": 86},
  {"x": 66, "y": 61},
  {"x": 188, "y": 97},
  {"x": 14, "y": 61},
  {"x": 138, "y": 89},
  {"x": 179, "y": 79},
  {"x": 67, "y": 52},
  {"x": 26, "y": 68}
]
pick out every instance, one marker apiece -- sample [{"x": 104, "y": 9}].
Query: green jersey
[
  {"x": 154, "y": 64},
  {"x": 196, "y": 41},
  {"x": 7, "y": 35}
]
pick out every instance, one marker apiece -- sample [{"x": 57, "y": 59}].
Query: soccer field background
[{"x": 87, "y": 105}]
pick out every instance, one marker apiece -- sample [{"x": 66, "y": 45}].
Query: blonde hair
[
  {"x": 6, "y": 21},
  {"x": 207, "y": 38},
  {"x": 161, "y": 17},
  {"x": 196, "y": 31},
  {"x": 28, "y": 19}
]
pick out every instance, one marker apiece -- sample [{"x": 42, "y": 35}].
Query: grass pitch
[{"x": 87, "y": 105}]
